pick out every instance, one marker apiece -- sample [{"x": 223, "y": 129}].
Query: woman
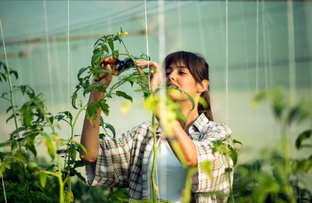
[{"x": 125, "y": 161}]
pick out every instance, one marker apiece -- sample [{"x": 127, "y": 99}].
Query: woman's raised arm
[{"x": 90, "y": 132}]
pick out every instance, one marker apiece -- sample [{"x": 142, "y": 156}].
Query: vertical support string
[
  {"x": 257, "y": 48},
  {"x": 162, "y": 54},
  {"x": 31, "y": 77},
  {"x": 257, "y": 76},
  {"x": 6, "y": 57},
  {"x": 200, "y": 27},
  {"x": 264, "y": 46},
  {"x": 146, "y": 35},
  {"x": 227, "y": 62},
  {"x": 7, "y": 64},
  {"x": 18, "y": 64},
  {"x": 48, "y": 52},
  {"x": 269, "y": 134},
  {"x": 57, "y": 67},
  {"x": 291, "y": 52},
  {"x": 180, "y": 23},
  {"x": 68, "y": 72}
]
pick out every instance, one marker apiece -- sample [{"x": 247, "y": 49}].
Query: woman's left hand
[{"x": 156, "y": 75}]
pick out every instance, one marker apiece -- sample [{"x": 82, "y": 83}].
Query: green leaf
[
  {"x": 111, "y": 128},
  {"x": 79, "y": 163},
  {"x": 42, "y": 178},
  {"x": 21, "y": 156},
  {"x": 302, "y": 165},
  {"x": 115, "y": 53},
  {"x": 72, "y": 152},
  {"x": 7, "y": 143},
  {"x": 180, "y": 115},
  {"x": 74, "y": 97},
  {"x": 96, "y": 58},
  {"x": 104, "y": 106},
  {"x": 90, "y": 87},
  {"x": 124, "y": 95},
  {"x": 51, "y": 119},
  {"x": 82, "y": 70},
  {"x": 234, "y": 156},
  {"x": 105, "y": 48},
  {"x": 266, "y": 186},
  {"x": 189, "y": 96},
  {"x": 68, "y": 115},
  {"x": 44, "y": 197},
  {"x": 68, "y": 196},
  {"x": 302, "y": 137},
  {"x": 191, "y": 99},
  {"x": 15, "y": 73},
  {"x": 18, "y": 130},
  {"x": 23, "y": 88},
  {"x": 103, "y": 71},
  {"x": 30, "y": 146},
  {"x": 49, "y": 144},
  {"x": 4, "y": 67},
  {"x": 203, "y": 102},
  {"x": 292, "y": 114},
  {"x": 207, "y": 166},
  {"x": 98, "y": 41},
  {"x": 3, "y": 154},
  {"x": 279, "y": 166},
  {"x": 5, "y": 164},
  {"x": 8, "y": 119},
  {"x": 238, "y": 142},
  {"x": 60, "y": 117},
  {"x": 79, "y": 176},
  {"x": 111, "y": 44},
  {"x": 3, "y": 76},
  {"x": 26, "y": 116},
  {"x": 102, "y": 122},
  {"x": 91, "y": 112}
]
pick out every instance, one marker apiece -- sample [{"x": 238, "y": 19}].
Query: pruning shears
[{"x": 121, "y": 65}]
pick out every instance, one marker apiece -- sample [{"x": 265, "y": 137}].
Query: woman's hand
[
  {"x": 106, "y": 78},
  {"x": 156, "y": 75}
]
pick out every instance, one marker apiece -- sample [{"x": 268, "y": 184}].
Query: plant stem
[
  {"x": 286, "y": 150},
  {"x": 60, "y": 173},
  {"x": 73, "y": 126},
  {"x": 230, "y": 180},
  {"x": 187, "y": 188},
  {"x": 58, "y": 160},
  {"x": 154, "y": 161}
]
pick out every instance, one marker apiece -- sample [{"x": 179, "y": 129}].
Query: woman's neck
[{"x": 190, "y": 114}]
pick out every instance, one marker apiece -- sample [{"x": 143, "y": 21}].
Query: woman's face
[{"x": 178, "y": 74}]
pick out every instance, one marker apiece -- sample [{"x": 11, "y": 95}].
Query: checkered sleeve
[
  {"x": 218, "y": 180},
  {"x": 112, "y": 166}
]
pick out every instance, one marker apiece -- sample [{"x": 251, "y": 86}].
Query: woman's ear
[{"x": 203, "y": 85}]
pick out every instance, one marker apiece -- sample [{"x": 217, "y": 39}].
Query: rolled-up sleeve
[
  {"x": 218, "y": 181},
  {"x": 112, "y": 166}
]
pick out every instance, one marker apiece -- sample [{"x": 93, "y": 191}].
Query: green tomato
[
  {"x": 35, "y": 175},
  {"x": 32, "y": 166},
  {"x": 28, "y": 176}
]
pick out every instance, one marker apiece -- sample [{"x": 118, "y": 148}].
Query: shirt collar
[{"x": 199, "y": 125}]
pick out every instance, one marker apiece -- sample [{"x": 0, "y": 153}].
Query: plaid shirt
[{"x": 123, "y": 161}]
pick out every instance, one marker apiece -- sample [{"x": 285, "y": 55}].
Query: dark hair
[{"x": 199, "y": 69}]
